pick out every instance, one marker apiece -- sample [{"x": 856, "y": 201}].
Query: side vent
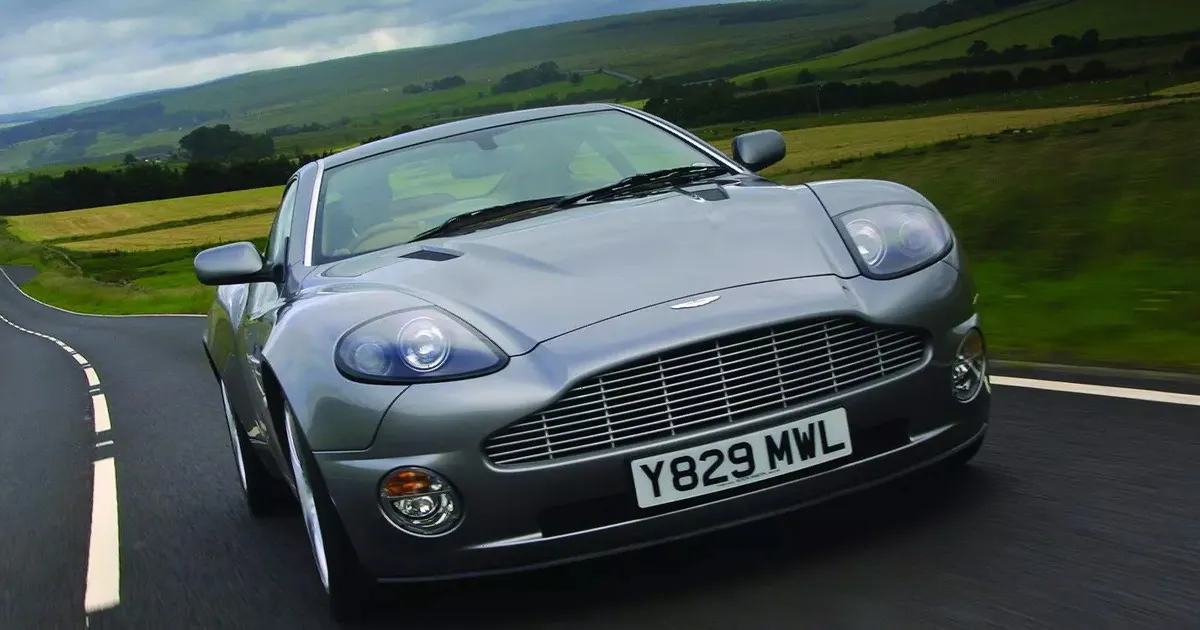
[{"x": 431, "y": 254}]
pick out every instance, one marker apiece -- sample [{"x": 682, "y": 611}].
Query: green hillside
[
  {"x": 1112, "y": 18},
  {"x": 1032, "y": 24},
  {"x": 651, "y": 43},
  {"x": 899, "y": 43}
]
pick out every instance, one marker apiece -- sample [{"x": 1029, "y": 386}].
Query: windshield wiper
[
  {"x": 634, "y": 183},
  {"x": 643, "y": 182},
  {"x": 458, "y": 222}
]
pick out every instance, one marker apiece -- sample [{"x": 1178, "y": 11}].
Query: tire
[
  {"x": 349, "y": 589},
  {"x": 264, "y": 494}
]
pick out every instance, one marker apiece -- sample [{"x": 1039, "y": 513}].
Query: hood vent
[
  {"x": 716, "y": 193},
  {"x": 436, "y": 255}
]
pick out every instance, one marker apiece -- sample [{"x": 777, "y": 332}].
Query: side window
[{"x": 277, "y": 239}]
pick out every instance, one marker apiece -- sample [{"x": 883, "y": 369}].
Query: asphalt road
[{"x": 1080, "y": 512}]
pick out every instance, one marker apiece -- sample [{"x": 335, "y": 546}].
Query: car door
[{"x": 263, "y": 301}]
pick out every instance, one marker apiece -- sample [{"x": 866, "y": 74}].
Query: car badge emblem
[{"x": 696, "y": 303}]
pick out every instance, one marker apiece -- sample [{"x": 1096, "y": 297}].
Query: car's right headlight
[
  {"x": 414, "y": 346},
  {"x": 894, "y": 240}
]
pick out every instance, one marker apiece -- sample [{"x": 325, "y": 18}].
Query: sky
[{"x": 60, "y": 52}]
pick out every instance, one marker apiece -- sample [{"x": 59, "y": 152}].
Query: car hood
[{"x": 535, "y": 279}]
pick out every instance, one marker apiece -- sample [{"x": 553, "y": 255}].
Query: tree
[
  {"x": 1191, "y": 58},
  {"x": 978, "y": 48},
  {"x": 1090, "y": 41},
  {"x": 1064, "y": 45},
  {"x": 805, "y": 77},
  {"x": 223, "y": 144}
]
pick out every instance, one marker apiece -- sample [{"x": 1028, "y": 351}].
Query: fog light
[
  {"x": 970, "y": 367},
  {"x": 420, "y": 501}
]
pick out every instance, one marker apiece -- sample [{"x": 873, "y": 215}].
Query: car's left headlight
[
  {"x": 893, "y": 240},
  {"x": 416, "y": 346}
]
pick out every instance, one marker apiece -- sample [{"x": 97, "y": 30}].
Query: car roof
[{"x": 458, "y": 127}]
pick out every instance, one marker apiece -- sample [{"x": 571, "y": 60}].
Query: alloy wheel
[
  {"x": 233, "y": 436},
  {"x": 308, "y": 504}
]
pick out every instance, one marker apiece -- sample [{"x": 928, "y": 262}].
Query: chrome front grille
[{"x": 718, "y": 381}]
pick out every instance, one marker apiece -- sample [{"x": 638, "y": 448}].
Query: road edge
[
  {"x": 70, "y": 312},
  {"x": 1097, "y": 370}
]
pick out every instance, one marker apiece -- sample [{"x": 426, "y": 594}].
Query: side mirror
[
  {"x": 235, "y": 263},
  {"x": 759, "y": 149}
]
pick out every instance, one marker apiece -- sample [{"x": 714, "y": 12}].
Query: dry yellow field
[
  {"x": 212, "y": 232},
  {"x": 81, "y": 223},
  {"x": 1180, "y": 90},
  {"x": 822, "y": 145}
]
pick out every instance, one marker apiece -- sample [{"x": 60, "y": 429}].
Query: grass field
[
  {"x": 1033, "y": 24},
  {"x": 1112, "y": 18},
  {"x": 822, "y": 145},
  {"x": 1078, "y": 234},
  {"x": 897, "y": 44},
  {"x": 149, "y": 282},
  {"x": 1185, "y": 89},
  {"x": 239, "y": 229},
  {"x": 74, "y": 224}
]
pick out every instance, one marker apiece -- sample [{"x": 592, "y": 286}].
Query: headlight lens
[
  {"x": 890, "y": 241},
  {"x": 418, "y": 345},
  {"x": 423, "y": 345}
]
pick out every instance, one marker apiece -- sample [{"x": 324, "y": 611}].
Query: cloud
[{"x": 58, "y": 52}]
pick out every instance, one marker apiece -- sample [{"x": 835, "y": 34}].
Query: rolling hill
[
  {"x": 650, "y": 43},
  {"x": 1032, "y": 25}
]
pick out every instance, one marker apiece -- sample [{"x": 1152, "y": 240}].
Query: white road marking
[
  {"x": 104, "y": 558},
  {"x": 100, "y": 413},
  {"x": 104, "y": 548},
  {"x": 1151, "y": 395}
]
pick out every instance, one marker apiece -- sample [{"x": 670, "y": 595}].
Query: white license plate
[{"x": 742, "y": 460}]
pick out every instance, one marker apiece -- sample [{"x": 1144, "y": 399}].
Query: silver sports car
[{"x": 536, "y": 337}]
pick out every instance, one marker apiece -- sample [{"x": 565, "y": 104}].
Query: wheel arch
[{"x": 276, "y": 402}]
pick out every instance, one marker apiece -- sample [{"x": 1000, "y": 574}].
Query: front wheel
[
  {"x": 265, "y": 495},
  {"x": 349, "y": 588}
]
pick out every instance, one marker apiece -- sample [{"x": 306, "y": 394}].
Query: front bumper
[{"x": 563, "y": 510}]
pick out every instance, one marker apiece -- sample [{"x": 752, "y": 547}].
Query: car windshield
[{"x": 388, "y": 199}]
